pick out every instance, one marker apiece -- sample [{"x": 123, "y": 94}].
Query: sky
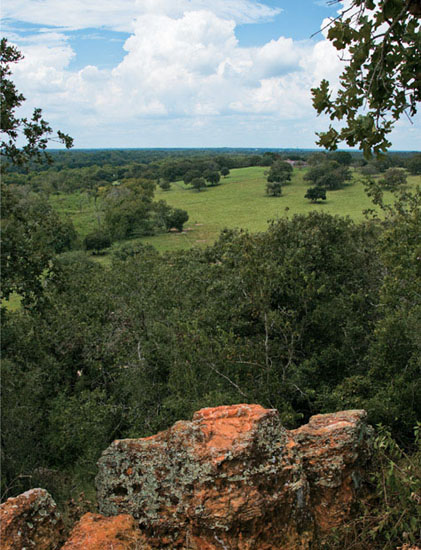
[{"x": 178, "y": 73}]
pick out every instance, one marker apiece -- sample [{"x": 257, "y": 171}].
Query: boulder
[
  {"x": 30, "y": 520},
  {"x": 96, "y": 532},
  {"x": 334, "y": 449},
  {"x": 235, "y": 478}
]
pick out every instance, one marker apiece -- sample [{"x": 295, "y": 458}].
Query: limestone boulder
[{"x": 30, "y": 520}]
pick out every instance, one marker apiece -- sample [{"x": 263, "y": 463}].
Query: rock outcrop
[
  {"x": 333, "y": 448},
  {"x": 231, "y": 479},
  {"x": 234, "y": 478},
  {"x": 96, "y": 532},
  {"x": 30, "y": 521}
]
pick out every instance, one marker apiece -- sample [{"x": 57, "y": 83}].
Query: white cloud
[
  {"x": 187, "y": 66},
  {"x": 120, "y": 14},
  {"x": 184, "y": 79}
]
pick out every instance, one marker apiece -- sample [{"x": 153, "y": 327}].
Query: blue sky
[{"x": 178, "y": 73}]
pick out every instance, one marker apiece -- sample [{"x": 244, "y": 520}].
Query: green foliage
[
  {"x": 32, "y": 233},
  {"x": 176, "y": 217},
  {"x": 97, "y": 241},
  {"x": 128, "y": 210},
  {"x": 329, "y": 175},
  {"x": 274, "y": 189},
  {"x": 395, "y": 352},
  {"x": 341, "y": 157},
  {"x": 315, "y": 194},
  {"x": 382, "y": 78},
  {"x": 212, "y": 176},
  {"x": 414, "y": 165},
  {"x": 280, "y": 172},
  {"x": 80, "y": 427},
  {"x": 198, "y": 183},
  {"x": 36, "y": 131},
  {"x": 165, "y": 185},
  {"x": 392, "y": 178},
  {"x": 390, "y": 513}
]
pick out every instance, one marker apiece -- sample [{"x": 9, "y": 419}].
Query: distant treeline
[{"x": 238, "y": 158}]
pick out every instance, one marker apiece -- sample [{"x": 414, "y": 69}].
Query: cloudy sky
[{"x": 177, "y": 73}]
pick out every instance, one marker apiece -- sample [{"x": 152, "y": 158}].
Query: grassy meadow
[{"x": 239, "y": 201}]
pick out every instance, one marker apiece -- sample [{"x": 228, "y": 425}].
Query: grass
[{"x": 239, "y": 201}]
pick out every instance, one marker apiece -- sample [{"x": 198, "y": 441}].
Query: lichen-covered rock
[
  {"x": 334, "y": 449},
  {"x": 234, "y": 478},
  {"x": 30, "y": 520},
  {"x": 230, "y": 478},
  {"x": 96, "y": 532}
]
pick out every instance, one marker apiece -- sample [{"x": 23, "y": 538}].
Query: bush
[
  {"x": 176, "y": 217},
  {"x": 98, "y": 240},
  {"x": 390, "y": 514},
  {"x": 165, "y": 185}
]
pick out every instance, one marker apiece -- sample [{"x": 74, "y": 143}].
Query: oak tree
[{"x": 381, "y": 42}]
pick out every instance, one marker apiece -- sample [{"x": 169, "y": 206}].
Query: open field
[{"x": 239, "y": 201}]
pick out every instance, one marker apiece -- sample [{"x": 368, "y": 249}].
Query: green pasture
[{"x": 239, "y": 201}]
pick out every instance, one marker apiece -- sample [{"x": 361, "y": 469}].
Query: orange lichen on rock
[
  {"x": 227, "y": 429},
  {"x": 30, "y": 520},
  {"x": 232, "y": 478},
  {"x": 96, "y": 532},
  {"x": 228, "y": 478},
  {"x": 334, "y": 448}
]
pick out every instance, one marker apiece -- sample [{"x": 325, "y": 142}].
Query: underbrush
[{"x": 389, "y": 514}]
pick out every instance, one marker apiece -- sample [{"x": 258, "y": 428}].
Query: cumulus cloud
[{"x": 183, "y": 71}]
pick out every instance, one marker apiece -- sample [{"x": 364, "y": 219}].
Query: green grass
[
  {"x": 239, "y": 201},
  {"x": 80, "y": 208}
]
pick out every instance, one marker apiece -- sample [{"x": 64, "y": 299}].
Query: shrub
[{"x": 98, "y": 240}]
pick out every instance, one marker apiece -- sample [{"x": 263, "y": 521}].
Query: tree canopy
[
  {"x": 36, "y": 132},
  {"x": 382, "y": 79}
]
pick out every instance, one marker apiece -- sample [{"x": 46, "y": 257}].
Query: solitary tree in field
[
  {"x": 280, "y": 172},
  {"x": 274, "y": 189},
  {"x": 316, "y": 194},
  {"x": 329, "y": 175}
]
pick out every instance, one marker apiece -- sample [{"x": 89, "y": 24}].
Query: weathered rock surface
[
  {"x": 30, "y": 521},
  {"x": 96, "y": 532},
  {"x": 334, "y": 448},
  {"x": 234, "y": 478}
]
